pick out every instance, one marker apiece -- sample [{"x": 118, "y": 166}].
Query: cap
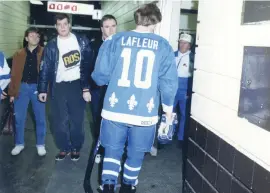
[{"x": 186, "y": 38}]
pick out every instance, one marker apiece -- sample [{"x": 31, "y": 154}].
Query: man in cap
[{"x": 184, "y": 63}]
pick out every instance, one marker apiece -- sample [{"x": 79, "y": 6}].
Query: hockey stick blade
[{"x": 91, "y": 161}]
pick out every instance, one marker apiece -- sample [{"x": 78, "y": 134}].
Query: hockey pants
[{"x": 113, "y": 137}]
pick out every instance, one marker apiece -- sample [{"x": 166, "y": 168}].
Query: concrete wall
[
  {"x": 13, "y": 23},
  {"x": 123, "y": 11}
]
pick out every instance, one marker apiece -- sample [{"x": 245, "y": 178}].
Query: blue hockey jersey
[
  {"x": 4, "y": 72},
  {"x": 139, "y": 69}
]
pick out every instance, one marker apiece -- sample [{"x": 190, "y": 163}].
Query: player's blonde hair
[{"x": 148, "y": 14}]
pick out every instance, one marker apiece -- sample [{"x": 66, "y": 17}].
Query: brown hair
[
  {"x": 107, "y": 17},
  {"x": 60, "y": 17},
  {"x": 31, "y": 30},
  {"x": 148, "y": 14}
]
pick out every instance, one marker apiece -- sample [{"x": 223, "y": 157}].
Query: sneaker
[
  {"x": 75, "y": 156},
  {"x": 108, "y": 188},
  {"x": 127, "y": 189},
  {"x": 17, "y": 149},
  {"x": 41, "y": 150},
  {"x": 153, "y": 151},
  {"x": 98, "y": 159},
  {"x": 61, "y": 155}
]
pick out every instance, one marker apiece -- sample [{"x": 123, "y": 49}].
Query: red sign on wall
[{"x": 71, "y": 8}]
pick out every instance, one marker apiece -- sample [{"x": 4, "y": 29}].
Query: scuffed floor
[{"x": 29, "y": 173}]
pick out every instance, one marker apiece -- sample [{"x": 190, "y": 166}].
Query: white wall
[
  {"x": 13, "y": 23},
  {"x": 220, "y": 39},
  {"x": 189, "y": 4},
  {"x": 170, "y": 16},
  {"x": 188, "y": 21}
]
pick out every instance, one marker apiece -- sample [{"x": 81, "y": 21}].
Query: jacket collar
[
  {"x": 176, "y": 53},
  {"x": 36, "y": 50}
]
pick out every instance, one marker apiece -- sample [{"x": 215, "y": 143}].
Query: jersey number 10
[{"x": 138, "y": 82}]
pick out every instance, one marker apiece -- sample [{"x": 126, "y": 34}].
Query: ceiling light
[{"x": 36, "y": 2}]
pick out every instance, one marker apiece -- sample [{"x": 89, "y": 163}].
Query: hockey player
[
  {"x": 138, "y": 67},
  {"x": 4, "y": 75},
  {"x": 184, "y": 63}
]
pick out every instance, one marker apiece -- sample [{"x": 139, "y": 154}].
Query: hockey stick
[{"x": 91, "y": 161}]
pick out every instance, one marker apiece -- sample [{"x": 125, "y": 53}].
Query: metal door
[{"x": 254, "y": 104}]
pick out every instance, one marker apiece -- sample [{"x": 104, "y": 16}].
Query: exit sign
[{"x": 97, "y": 14}]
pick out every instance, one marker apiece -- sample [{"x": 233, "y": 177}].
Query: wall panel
[
  {"x": 13, "y": 23},
  {"x": 218, "y": 64},
  {"x": 123, "y": 12}
]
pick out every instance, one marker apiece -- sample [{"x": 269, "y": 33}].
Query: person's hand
[
  {"x": 166, "y": 122},
  {"x": 42, "y": 97},
  {"x": 87, "y": 96},
  {"x": 3, "y": 95},
  {"x": 162, "y": 128},
  {"x": 11, "y": 99},
  {"x": 166, "y": 128}
]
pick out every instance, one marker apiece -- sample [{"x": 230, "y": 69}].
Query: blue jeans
[
  {"x": 28, "y": 92},
  {"x": 181, "y": 103},
  {"x": 113, "y": 136}
]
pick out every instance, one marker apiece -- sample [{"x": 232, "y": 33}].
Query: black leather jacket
[
  {"x": 50, "y": 60},
  {"x": 95, "y": 45}
]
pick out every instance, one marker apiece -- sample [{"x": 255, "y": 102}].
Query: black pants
[
  {"x": 67, "y": 111},
  {"x": 96, "y": 108},
  {"x": 98, "y": 95}
]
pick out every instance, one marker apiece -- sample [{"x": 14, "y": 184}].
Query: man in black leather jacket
[
  {"x": 108, "y": 26},
  {"x": 65, "y": 70}
]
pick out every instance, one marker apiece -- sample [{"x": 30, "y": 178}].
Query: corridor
[{"x": 29, "y": 173}]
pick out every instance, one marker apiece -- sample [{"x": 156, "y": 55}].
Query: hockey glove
[{"x": 166, "y": 128}]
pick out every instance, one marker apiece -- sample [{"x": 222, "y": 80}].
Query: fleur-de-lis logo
[
  {"x": 150, "y": 105},
  {"x": 132, "y": 102},
  {"x": 113, "y": 100}
]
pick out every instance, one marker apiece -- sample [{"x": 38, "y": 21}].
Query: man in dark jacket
[
  {"x": 65, "y": 68},
  {"x": 108, "y": 26}
]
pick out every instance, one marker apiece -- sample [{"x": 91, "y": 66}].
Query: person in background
[
  {"x": 4, "y": 75},
  {"x": 185, "y": 64},
  {"x": 138, "y": 66},
  {"x": 65, "y": 68},
  {"x": 23, "y": 89},
  {"x": 108, "y": 26},
  {"x": 45, "y": 40}
]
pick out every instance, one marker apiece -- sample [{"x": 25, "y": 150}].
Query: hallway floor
[{"x": 29, "y": 173}]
